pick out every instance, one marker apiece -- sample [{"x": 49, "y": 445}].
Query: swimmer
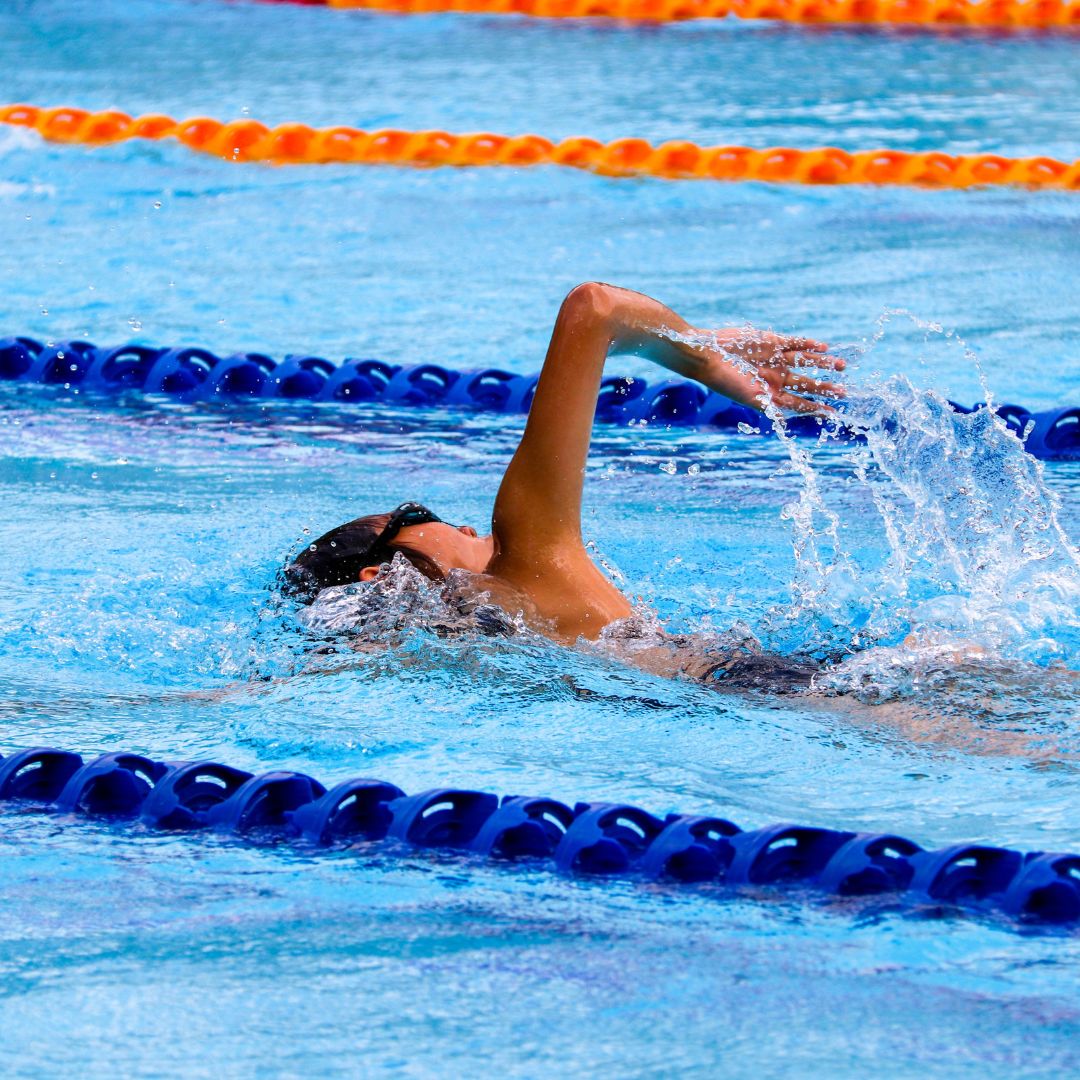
[{"x": 533, "y": 563}]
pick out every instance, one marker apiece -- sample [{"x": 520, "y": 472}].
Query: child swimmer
[{"x": 533, "y": 563}]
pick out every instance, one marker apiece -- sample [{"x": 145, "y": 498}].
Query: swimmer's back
[
  {"x": 749, "y": 669},
  {"x": 732, "y": 662}
]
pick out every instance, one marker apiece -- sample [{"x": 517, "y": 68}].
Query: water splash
[
  {"x": 400, "y": 599},
  {"x": 970, "y": 556}
]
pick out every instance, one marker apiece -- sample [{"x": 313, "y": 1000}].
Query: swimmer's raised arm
[
  {"x": 534, "y": 561},
  {"x": 540, "y": 496}
]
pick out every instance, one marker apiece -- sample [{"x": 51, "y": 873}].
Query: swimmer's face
[{"x": 448, "y": 547}]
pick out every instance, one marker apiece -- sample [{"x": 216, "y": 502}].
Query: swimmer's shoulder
[{"x": 469, "y": 589}]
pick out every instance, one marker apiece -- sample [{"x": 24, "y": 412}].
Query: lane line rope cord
[
  {"x": 595, "y": 839},
  {"x": 1008, "y": 14},
  {"x": 194, "y": 374},
  {"x": 296, "y": 144}
]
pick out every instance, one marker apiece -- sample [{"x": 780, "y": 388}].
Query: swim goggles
[{"x": 407, "y": 514}]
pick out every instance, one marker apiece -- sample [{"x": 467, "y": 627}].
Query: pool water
[{"x": 138, "y": 608}]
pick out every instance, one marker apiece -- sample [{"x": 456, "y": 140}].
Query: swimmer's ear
[{"x": 369, "y": 573}]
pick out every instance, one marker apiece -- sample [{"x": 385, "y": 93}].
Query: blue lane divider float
[
  {"x": 193, "y": 374},
  {"x": 592, "y": 839}
]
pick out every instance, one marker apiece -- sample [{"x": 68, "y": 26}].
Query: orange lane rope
[
  {"x": 293, "y": 144},
  {"x": 1018, "y": 14}
]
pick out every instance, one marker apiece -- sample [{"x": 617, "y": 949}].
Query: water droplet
[
  {"x": 746, "y": 429},
  {"x": 122, "y": 461},
  {"x": 135, "y": 323},
  {"x": 694, "y": 469},
  {"x": 93, "y": 476},
  {"x": 73, "y": 367},
  {"x": 669, "y": 467},
  {"x": 44, "y": 311},
  {"x": 157, "y": 204},
  {"x": 307, "y": 531}
]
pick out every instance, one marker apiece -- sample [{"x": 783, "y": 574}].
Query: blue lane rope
[
  {"x": 193, "y": 374},
  {"x": 592, "y": 839}
]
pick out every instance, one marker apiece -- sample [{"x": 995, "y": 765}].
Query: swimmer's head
[{"x": 358, "y": 549}]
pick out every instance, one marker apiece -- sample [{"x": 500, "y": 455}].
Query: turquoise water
[{"x": 137, "y": 608}]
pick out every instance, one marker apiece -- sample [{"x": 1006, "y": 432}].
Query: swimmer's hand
[{"x": 760, "y": 367}]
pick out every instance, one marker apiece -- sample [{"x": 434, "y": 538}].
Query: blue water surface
[{"x": 137, "y": 602}]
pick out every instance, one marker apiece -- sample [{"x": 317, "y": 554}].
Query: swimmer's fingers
[
  {"x": 790, "y": 392},
  {"x": 752, "y": 336},
  {"x": 794, "y": 403},
  {"x": 769, "y": 349},
  {"x": 800, "y": 352},
  {"x": 803, "y": 384},
  {"x": 809, "y": 359},
  {"x": 790, "y": 343}
]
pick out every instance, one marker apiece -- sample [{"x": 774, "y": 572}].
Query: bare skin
[{"x": 535, "y": 561}]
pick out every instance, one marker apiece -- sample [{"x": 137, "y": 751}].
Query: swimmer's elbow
[{"x": 592, "y": 302}]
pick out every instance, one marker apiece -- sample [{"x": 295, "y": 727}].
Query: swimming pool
[{"x": 136, "y": 610}]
